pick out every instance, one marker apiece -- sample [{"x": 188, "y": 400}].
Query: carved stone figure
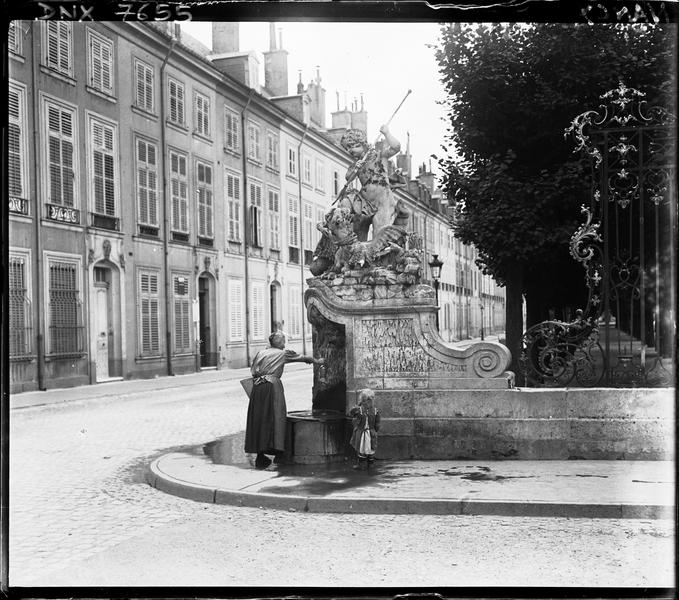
[
  {"x": 352, "y": 253},
  {"x": 374, "y": 204}
]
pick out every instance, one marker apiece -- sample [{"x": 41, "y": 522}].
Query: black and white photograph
[{"x": 339, "y": 303}]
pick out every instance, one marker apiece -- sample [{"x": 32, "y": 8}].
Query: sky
[{"x": 382, "y": 61}]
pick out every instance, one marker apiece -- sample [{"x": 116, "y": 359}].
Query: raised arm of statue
[{"x": 390, "y": 146}]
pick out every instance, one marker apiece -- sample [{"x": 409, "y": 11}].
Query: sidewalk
[
  {"x": 221, "y": 473},
  {"x": 132, "y": 386}
]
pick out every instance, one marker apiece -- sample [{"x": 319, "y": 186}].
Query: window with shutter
[
  {"x": 320, "y": 218},
  {"x": 257, "y": 322},
  {"x": 306, "y": 166},
  {"x": 57, "y": 44},
  {"x": 15, "y": 142},
  {"x": 235, "y": 310},
  {"x": 320, "y": 176},
  {"x": 143, "y": 84},
  {"x": 272, "y": 150},
  {"x": 148, "y": 306},
  {"x": 60, "y": 154},
  {"x": 293, "y": 222},
  {"x": 176, "y": 103},
  {"x": 254, "y": 149},
  {"x": 202, "y": 114},
  {"x": 103, "y": 152},
  {"x": 100, "y": 63},
  {"x": 256, "y": 215},
  {"x": 204, "y": 193},
  {"x": 295, "y": 305},
  {"x": 308, "y": 226},
  {"x": 182, "y": 318},
  {"x": 232, "y": 183},
  {"x": 147, "y": 183},
  {"x": 179, "y": 192},
  {"x": 15, "y": 38},
  {"x": 65, "y": 318},
  {"x": 274, "y": 220},
  {"x": 292, "y": 161},
  {"x": 20, "y": 315},
  {"x": 231, "y": 130}
]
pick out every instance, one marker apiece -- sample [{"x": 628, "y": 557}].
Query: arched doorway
[
  {"x": 207, "y": 321},
  {"x": 106, "y": 322}
]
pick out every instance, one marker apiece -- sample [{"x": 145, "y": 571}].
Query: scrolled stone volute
[{"x": 489, "y": 360}]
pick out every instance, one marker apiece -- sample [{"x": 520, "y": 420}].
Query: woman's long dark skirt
[{"x": 263, "y": 419}]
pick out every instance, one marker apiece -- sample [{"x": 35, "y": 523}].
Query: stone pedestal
[{"x": 383, "y": 336}]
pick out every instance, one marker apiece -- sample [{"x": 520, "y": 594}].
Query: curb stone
[{"x": 421, "y": 506}]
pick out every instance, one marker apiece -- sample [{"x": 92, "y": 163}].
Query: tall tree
[{"x": 516, "y": 185}]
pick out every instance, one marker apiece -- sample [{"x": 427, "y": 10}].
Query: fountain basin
[{"x": 318, "y": 436}]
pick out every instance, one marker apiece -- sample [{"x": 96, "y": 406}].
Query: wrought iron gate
[{"x": 625, "y": 336}]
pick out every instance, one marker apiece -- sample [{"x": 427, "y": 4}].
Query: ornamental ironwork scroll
[{"x": 626, "y": 245}]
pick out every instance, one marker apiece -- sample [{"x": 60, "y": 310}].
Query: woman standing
[{"x": 267, "y": 412}]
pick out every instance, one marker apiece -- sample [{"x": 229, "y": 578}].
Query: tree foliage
[{"x": 511, "y": 91}]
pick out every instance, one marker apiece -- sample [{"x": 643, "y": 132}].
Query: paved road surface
[{"x": 80, "y": 514}]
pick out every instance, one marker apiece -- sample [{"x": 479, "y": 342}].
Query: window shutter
[
  {"x": 235, "y": 311},
  {"x": 205, "y": 200},
  {"x": 64, "y": 47},
  {"x": 233, "y": 196},
  {"x": 181, "y": 315},
  {"x": 257, "y": 311},
  {"x": 308, "y": 226},
  {"x": 147, "y": 183},
  {"x": 152, "y": 185},
  {"x": 179, "y": 192},
  {"x": 256, "y": 238},
  {"x": 142, "y": 183},
  {"x": 149, "y": 314},
  {"x": 173, "y": 102},
  {"x": 103, "y": 168},
  {"x": 12, "y": 37},
  {"x": 295, "y": 309},
  {"x": 52, "y": 58},
  {"x": 293, "y": 222},
  {"x": 14, "y": 143},
  {"x": 274, "y": 220},
  {"x": 176, "y": 102},
  {"x": 141, "y": 91},
  {"x": 60, "y": 156},
  {"x": 142, "y": 100}
]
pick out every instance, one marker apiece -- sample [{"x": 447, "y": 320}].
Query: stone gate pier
[{"x": 384, "y": 337}]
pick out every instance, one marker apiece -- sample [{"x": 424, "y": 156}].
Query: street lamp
[
  {"x": 482, "y": 308},
  {"x": 469, "y": 302},
  {"x": 435, "y": 265}
]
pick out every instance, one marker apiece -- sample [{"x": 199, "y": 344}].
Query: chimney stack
[
  {"x": 272, "y": 37},
  {"x": 316, "y": 93},
  {"x": 225, "y": 37},
  {"x": 276, "y": 65},
  {"x": 359, "y": 118}
]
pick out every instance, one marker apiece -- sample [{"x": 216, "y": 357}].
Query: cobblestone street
[{"x": 81, "y": 514}]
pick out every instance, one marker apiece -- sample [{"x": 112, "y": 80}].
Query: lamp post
[
  {"x": 469, "y": 303},
  {"x": 435, "y": 265},
  {"x": 482, "y": 308}
]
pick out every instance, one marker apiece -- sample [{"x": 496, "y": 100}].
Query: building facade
[{"x": 163, "y": 203}]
